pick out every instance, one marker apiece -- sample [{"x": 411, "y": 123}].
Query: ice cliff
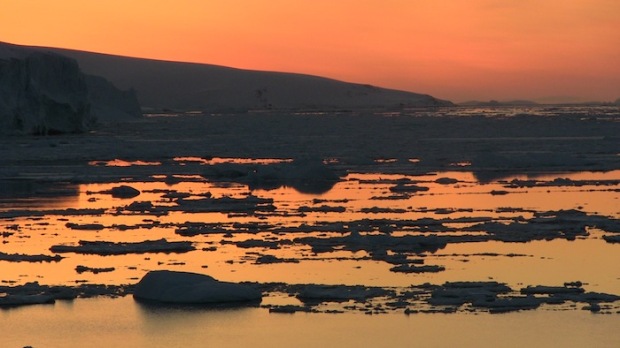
[
  {"x": 47, "y": 93},
  {"x": 108, "y": 103}
]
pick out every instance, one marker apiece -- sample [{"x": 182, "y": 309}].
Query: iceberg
[
  {"x": 191, "y": 288},
  {"x": 42, "y": 92}
]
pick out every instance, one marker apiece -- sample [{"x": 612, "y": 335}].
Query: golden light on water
[{"x": 359, "y": 196}]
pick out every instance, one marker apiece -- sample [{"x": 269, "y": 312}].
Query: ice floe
[
  {"x": 95, "y": 270},
  {"x": 112, "y": 248},
  {"x": 124, "y": 191},
  {"x": 34, "y": 293},
  {"x": 29, "y": 258}
]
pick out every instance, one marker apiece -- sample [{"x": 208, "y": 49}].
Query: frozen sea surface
[{"x": 400, "y": 213}]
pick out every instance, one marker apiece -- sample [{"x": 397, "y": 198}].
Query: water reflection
[
  {"x": 157, "y": 320},
  {"x": 150, "y": 309},
  {"x": 311, "y": 176},
  {"x": 123, "y": 163},
  {"x": 27, "y": 193},
  {"x": 486, "y": 176},
  {"x": 119, "y": 322},
  {"x": 337, "y": 229}
]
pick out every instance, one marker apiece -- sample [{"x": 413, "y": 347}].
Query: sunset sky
[{"x": 546, "y": 50}]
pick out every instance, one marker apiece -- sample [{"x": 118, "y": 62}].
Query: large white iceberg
[{"x": 191, "y": 288}]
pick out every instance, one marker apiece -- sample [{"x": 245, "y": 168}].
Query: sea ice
[
  {"x": 81, "y": 269},
  {"x": 111, "y": 248},
  {"x": 407, "y": 268},
  {"x": 124, "y": 191},
  {"x": 338, "y": 293},
  {"x": 29, "y": 258}
]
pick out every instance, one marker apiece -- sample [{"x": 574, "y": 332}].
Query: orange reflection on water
[
  {"x": 122, "y": 163},
  {"x": 363, "y": 196},
  {"x": 221, "y": 160}
]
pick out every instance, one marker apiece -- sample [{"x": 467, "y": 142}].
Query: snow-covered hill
[{"x": 189, "y": 86}]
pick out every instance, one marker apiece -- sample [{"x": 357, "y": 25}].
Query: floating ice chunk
[
  {"x": 407, "y": 268},
  {"x": 612, "y": 238},
  {"x": 124, "y": 191},
  {"x": 191, "y": 288},
  {"x": 227, "y": 204},
  {"x": 189, "y": 229},
  {"x": 378, "y": 210},
  {"x": 34, "y": 293},
  {"x": 322, "y": 209},
  {"x": 29, "y": 258},
  {"x": 503, "y": 305},
  {"x": 288, "y": 309},
  {"x": 491, "y": 286},
  {"x": 111, "y": 248},
  {"x": 143, "y": 206},
  {"x": 258, "y": 243},
  {"x": 459, "y": 293},
  {"x": 85, "y": 227},
  {"x": 567, "y": 224},
  {"x": 338, "y": 293},
  {"x": 81, "y": 269},
  {"x": 551, "y": 290},
  {"x": 266, "y": 259},
  {"x": 446, "y": 181},
  {"x": 593, "y": 307},
  {"x": 408, "y": 188},
  {"x": 21, "y": 300},
  {"x": 598, "y": 297},
  {"x": 356, "y": 242},
  {"x": 498, "y": 192}
]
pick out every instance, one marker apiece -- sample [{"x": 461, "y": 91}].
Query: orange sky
[{"x": 452, "y": 49}]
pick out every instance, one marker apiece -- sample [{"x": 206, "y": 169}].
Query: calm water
[{"x": 122, "y": 322}]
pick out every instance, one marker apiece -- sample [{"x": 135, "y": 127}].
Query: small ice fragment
[{"x": 124, "y": 191}]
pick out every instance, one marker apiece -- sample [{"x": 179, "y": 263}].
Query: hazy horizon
[{"x": 486, "y": 49}]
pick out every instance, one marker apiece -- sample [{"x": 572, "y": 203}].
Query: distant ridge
[
  {"x": 191, "y": 86},
  {"x": 499, "y": 103}
]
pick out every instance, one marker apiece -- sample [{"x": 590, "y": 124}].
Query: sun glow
[{"x": 455, "y": 50}]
